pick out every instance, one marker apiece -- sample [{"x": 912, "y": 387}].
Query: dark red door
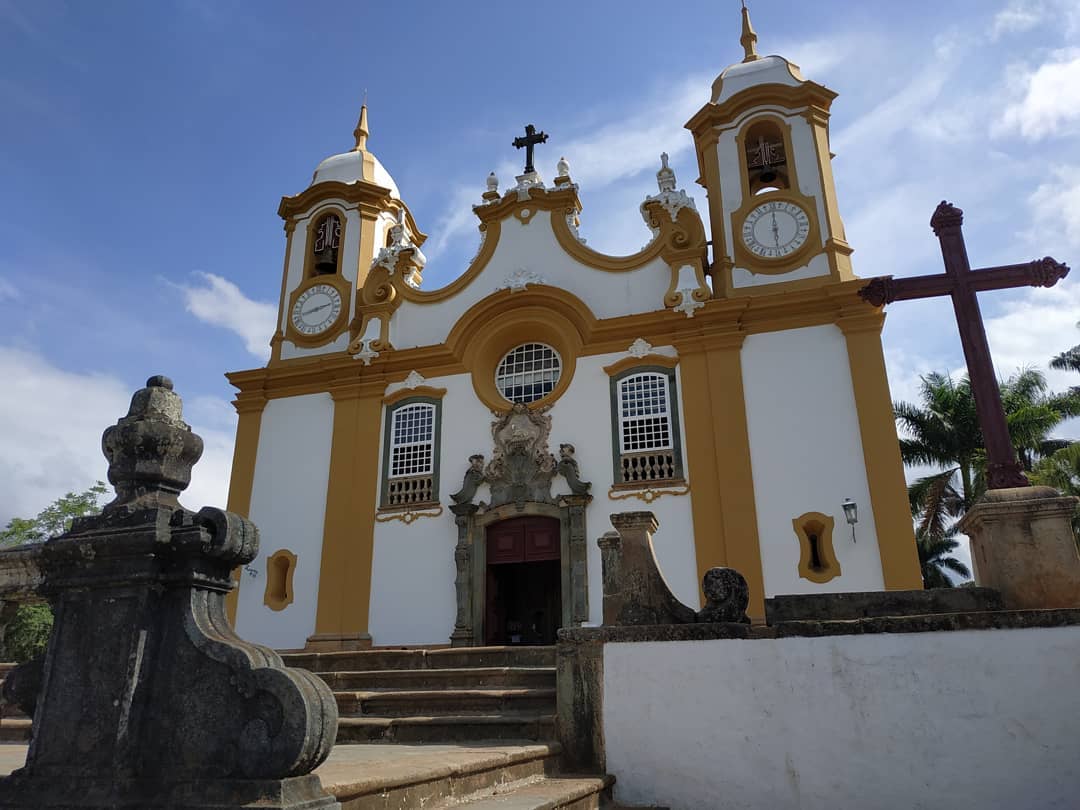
[{"x": 524, "y": 581}]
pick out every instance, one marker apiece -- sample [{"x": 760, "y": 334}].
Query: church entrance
[{"x": 524, "y": 581}]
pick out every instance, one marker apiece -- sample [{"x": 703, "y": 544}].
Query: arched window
[
  {"x": 326, "y": 245},
  {"x": 766, "y": 157},
  {"x": 411, "y": 461},
  {"x": 528, "y": 372},
  {"x": 646, "y": 426}
]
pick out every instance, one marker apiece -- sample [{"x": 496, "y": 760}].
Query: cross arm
[
  {"x": 1045, "y": 272},
  {"x": 886, "y": 289}
]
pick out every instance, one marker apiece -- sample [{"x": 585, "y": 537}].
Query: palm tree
[
  {"x": 934, "y": 559},
  {"x": 1067, "y": 361},
  {"x": 943, "y": 431},
  {"x": 1062, "y": 471}
]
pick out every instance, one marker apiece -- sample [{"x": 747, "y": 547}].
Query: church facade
[{"x": 433, "y": 466}]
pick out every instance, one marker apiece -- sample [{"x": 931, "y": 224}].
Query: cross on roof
[
  {"x": 961, "y": 282},
  {"x": 531, "y": 138}
]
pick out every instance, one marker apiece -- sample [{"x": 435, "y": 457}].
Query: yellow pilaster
[
  {"x": 249, "y": 410},
  {"x": 881, "y": 451},
  {"x": 718, "y": 459},
  {"x": 341, "y": 621}
]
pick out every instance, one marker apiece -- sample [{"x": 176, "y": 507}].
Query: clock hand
[
  {"x": 316, "y": 309},
  {"x": 775, "y": 230}
]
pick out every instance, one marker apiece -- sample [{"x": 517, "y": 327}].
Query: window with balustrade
[
  {"x": 411, "y": 453},
  {"x": 645, "y": 427}
]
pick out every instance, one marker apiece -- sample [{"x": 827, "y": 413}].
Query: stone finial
[
  {"x": 562, "y": 172},
  {"x": 492, "y": 193},
  {"x": 946, "y": 215},
  {"x": 665, "y": 178},
  {"x": 361, "y": 132},
  {"x": 151, "y": 450},
  {"x": 749, "y": 37}
]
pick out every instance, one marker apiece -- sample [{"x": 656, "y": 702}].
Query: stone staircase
[{"x": 439, "y": 696}]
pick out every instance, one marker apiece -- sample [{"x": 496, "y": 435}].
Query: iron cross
[
  {"x": 962, "y": 283},
  {"x": 532, "y": 137}
]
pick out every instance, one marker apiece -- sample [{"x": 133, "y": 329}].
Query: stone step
[
  {"x": 448, "y": 658},
  {"x": 552, "y": 793},
  {"x": 15, "y": 729},
  {"x": 452, "y": 678},
  {"x": 389, "y": 777},
  {"x": 446, "y": 728},
  {"x": 444, "y": 701}
]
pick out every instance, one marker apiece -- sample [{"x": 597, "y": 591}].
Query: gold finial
[
  {"x": 749, "y": 37},
  {"x": 361, "y": 131}
]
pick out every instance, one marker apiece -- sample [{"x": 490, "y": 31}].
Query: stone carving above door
[{"x": 522, "y": 466}]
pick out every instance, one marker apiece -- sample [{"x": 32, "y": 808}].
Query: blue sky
[{"x": 145, "y": 147}]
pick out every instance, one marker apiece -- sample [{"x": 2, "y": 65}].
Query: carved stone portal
[{"x": 519, "y": 477}]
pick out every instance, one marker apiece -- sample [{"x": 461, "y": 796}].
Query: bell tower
[
  {"x": 336, "y": 229},
  {"x": 762, "y": 145}
]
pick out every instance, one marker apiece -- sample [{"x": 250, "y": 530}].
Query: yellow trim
[
  {"x": 706, "y": 122},
  {"x": 249, "y": 407},
  {"x": 498, "y": 323},
  {"x": 881, "y": 451},
  {"x": 331, "y": 333},
  {"x": 348, "y": 531},
  {"x": 275, "y": 341},
  {"x": 823, "y": 525},
  {"x": 836, "y": 245},
  {"x": 661, "y": 360},
  {"x": 271, "y": 598},
  {"x": 419, "y": 391},
  {"x": 790, "y": 169},
  {"x": 717, "y": 446},
  {"x": 407, "y": 514},
  {"x": 620, "y": 492}
]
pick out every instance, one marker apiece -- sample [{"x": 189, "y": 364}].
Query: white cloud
[
  {"x": 1046, "y": 100},
  {"x": 8, "y": 291},
  {"x": 51, "y": 442},
  {"x": 1055, "y": 211},
  {"x": 1018, "y": 16},
  {"x": 219, "y": 302}
]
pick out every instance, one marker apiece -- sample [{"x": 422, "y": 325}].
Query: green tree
[
  {"x": 1062, "y": 472},
  {"x": 1067, "y": 361},
  {"x": 934, "y": 550},
  {"x": 55, "y": 518},
  {"x": 28, "y": 631},
  {"x": 943, "y": 431}
]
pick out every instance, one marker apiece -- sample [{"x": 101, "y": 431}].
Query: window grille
[
  {"x": 644, "y": 416},
  {"x": 528, "y": 373},
  {"x": 412, "y": 441}
]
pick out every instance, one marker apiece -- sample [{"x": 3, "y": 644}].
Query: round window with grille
[{"x": 528, "y": 372}]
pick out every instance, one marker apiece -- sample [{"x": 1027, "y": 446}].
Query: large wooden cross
[{"x": 961, "y": 282}]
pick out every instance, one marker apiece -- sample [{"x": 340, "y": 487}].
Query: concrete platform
[{"x": 512, "y": 775}]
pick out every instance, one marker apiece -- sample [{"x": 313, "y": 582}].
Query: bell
[
  {"x": 768, "y": 174},
  {"x": 326, "y": 262}
]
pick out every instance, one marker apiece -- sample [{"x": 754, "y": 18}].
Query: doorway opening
[{"x": 524, "y": 581}]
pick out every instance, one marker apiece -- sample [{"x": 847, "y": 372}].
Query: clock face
[
  {"x": 775, "y": 229},
  {"x": 316, "y": 309}
]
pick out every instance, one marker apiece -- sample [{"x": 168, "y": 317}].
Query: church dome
[
  {"x": 356, "y": 164},
  {"x": 753, "y": 69}
]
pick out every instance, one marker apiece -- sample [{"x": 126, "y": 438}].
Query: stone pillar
[
  {"x": 579, "y": 696},
  {"x": 463, "y": 635},
  {"x": 1022, "y": 544},
  {"x": 147, "y": 697},
  {"x": 573, "y": 520}
]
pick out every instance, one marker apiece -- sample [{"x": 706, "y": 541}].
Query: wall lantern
[
  {"x": 254, "y": 572},
  {"x": 851, "y": 514}
]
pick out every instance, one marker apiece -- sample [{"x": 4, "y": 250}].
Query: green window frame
[
  {"x": 411, "y": 446},
  {"x": 646, "y": 445}
]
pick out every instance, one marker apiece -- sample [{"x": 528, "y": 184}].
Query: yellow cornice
[
  {"x": 721, "y": 322},
  {"x": 420, "y": 391},
  {"x": 358, "y": 192},
  {"x": 662, "y": 360},
  {"x": 806, "y": 94}
]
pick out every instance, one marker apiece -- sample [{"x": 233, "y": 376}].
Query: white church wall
[
  {"x": 871, "y": 721},
  {"x": 606, "y": 294},
  {"x": 288, "y": 504},
  {"x": 413, "y": 570},
  {"x": 807, "y": 456},
  {"x": 582, "y": 417}
]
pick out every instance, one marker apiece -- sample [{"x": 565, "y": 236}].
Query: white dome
[
  {"x": 349, "y": 167},
  {"x": 766, "y": 70}
]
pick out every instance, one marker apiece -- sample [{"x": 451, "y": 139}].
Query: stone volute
[{"x": 146, "y": 696}]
